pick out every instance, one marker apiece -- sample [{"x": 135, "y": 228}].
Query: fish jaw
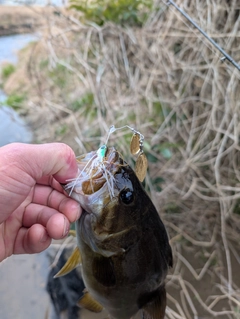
[
  {"x": 92, "y": 204},
  {"x": 94, "y": 185}
]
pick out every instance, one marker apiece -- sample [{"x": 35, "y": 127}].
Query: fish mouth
[{"x": 95, "y": 182}]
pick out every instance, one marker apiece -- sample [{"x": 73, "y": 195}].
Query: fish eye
[{"x": 127, "y": 196}]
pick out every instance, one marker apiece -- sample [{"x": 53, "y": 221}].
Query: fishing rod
[{"x": 225, "y": 55}]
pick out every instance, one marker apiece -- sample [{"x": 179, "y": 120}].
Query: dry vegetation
[
  {"x": 166, "y": 80},
  {"x": 21, "y": 19}
]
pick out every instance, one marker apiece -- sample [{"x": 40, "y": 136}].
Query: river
[
  {"x": 12, "y": 127},
  {"x": 57, "y": 3}
]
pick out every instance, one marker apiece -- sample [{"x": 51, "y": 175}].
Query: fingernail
[
  {"x": 44, "y": 237},
  {"x": 66, "y": 227},
  {"x": 76, "y": 207},
  {"x": 78, "y": 212}
]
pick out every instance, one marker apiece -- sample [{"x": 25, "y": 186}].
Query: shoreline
[{"x": 22, "y": 19}]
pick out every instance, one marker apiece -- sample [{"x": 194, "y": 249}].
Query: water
[
  {"x": 10, "y": 45},
  {"x": 57, "y": 3},
  {"x": 12, "y": 127}
]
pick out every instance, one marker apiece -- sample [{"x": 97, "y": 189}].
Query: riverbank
[
  {"x": 79, "y": 79},
  {"x": 23, "y": 19}
]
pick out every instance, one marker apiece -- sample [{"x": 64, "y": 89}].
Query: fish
[{"x": 122, "y": 243}]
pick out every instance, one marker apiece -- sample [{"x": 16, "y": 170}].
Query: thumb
[{"x": 55, "y": 159}]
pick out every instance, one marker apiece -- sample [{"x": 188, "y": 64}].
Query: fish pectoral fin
[
  {"x": 87, "y": 302},
  {"x": 155, "y": 309},
  {"x": 73, "y": 261}
]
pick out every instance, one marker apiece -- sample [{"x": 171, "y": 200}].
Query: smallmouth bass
[{"x": 124, "y": 248}]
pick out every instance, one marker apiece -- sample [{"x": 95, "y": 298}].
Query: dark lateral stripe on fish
[{"x": 103, "y": 271}]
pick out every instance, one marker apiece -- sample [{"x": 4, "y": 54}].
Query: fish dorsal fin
[
  {"x": 87, "y": 302},
  {"x": 73, "y": 261},
  {"x": 156, "y": 308},
  {"x": 141, "y": 166}
]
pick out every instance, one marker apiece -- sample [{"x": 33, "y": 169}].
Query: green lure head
[{"x": 101, "y": 152}]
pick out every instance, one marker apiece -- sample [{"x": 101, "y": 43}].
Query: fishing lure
[
  {"x": 96, "y": 164},
  {"x": 136, "y": 148}
]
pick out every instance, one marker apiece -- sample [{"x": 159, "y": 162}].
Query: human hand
[{"x": 33, "y": 206}]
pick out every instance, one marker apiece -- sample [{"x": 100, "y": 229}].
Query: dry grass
[
  {"x": 22, "y": 19},
  {"x": 166, "y": 80}
]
